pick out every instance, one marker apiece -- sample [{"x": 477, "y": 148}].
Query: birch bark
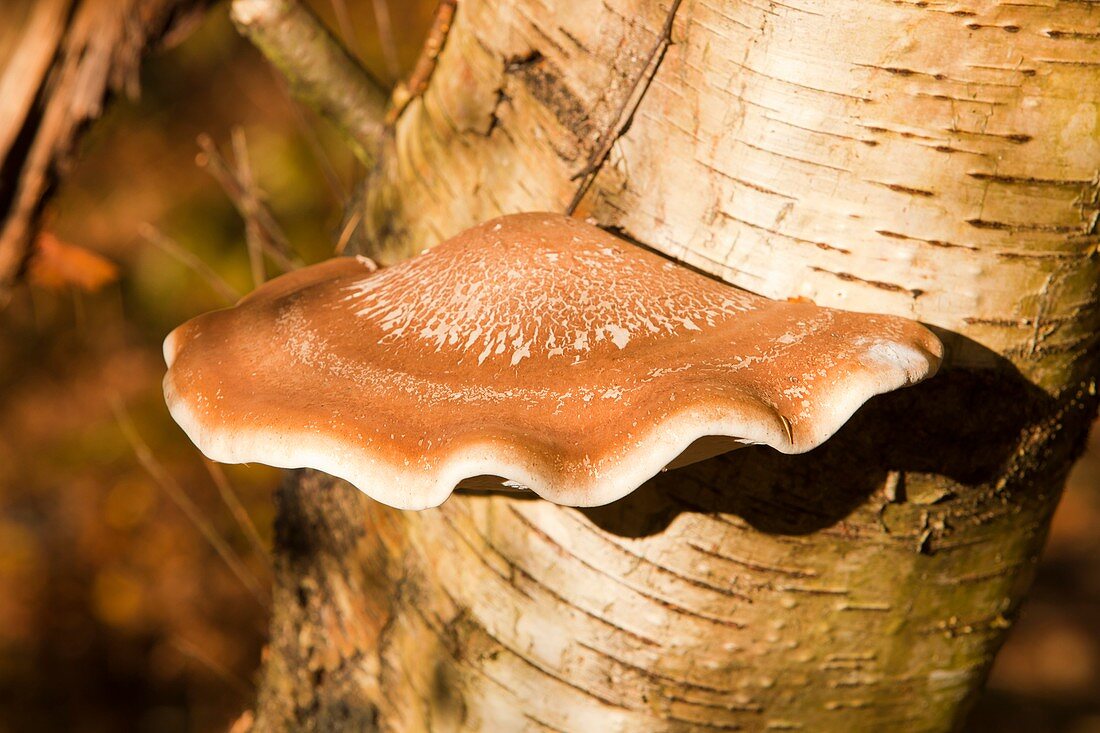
[{"x": 939, "y": 161}]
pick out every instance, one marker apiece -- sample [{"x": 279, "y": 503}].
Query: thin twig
[
  {"x": 626, "y": 111},
  {"x": 236, "y": 508},
  {"x": 180, "y": 498},
  {"x": 187, "y": 649},
  {"x": 408, "y": 90},
  {"x": 385, "y": 38},
  {"x": 350, "y": 226},
  {"x": 273, "y": 239},
  {"x": 187, "y": 258},
  {"x": 320, "y": 71},
  {"x": 251, "y": 204}
]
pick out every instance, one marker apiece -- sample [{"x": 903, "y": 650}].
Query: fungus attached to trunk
[{"x": 532, "y": 350}]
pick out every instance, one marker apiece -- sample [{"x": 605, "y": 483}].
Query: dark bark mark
[
  {"x": 536, "y": 26},
  {"x": 515, "y": 63},
  {"x": 827, "y": 133},
  {"x": 933, "y": 242},
  {"x": 751, "y": 565},
  {"x": 795, "y": 158},
  {"x": 901, "y": 133},
  {"x": 1072, "y": 35},
  {"x": 1064, "y": 256},
  {"x": 1021, "y": 227},
  {"x": 892, "y": 287},
  {"x": 897, "y": 187},
  {"x": 820, "y": 245},
  {"x": 1016, "y": 138},
  {"x": 443, "y": 696},
  {"x": 665, "y": 570},
  {"x": 494, "y": 115},
  {"x": 949, "y": 150},
  {"x": 940, "y": 97},
  {"x": 991, "y": 26},
  {"x": 1029, "y": 180},
  {"x": 1006, "y": 322},
  {"x": 576, "y": 41},
  {"x": 724, "y": 591},
  {"x": 1071, "y": 62},
  {"x": 545, "y": 82},
  {"x": 462, "y": 634},
  {"x": 747, "y": 184},
  {"x": 901, "y": 71}
]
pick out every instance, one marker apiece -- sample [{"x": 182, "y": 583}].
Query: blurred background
[{"x": 133, "y": 575}]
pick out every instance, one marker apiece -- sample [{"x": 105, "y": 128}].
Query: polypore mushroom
[{"x": 535, "y": 350}]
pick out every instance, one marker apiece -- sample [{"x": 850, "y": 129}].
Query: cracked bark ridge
[{"x": 64, "y": 60}]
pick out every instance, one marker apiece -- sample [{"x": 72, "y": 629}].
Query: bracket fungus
[{"x": 534, "y": 350}]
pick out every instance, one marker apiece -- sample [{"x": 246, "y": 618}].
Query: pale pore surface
[{"x": 535, "y": 348}]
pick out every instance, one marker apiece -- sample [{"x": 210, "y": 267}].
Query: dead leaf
[{"x": 58, "y": 265}]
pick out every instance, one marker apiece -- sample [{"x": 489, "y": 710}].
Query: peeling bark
[{"x": 907, "y": 158}]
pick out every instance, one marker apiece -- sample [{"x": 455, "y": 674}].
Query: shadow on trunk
[{"x": 943, "y": 427}]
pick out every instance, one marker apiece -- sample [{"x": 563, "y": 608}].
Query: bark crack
[{"x": 627, "y": 110}]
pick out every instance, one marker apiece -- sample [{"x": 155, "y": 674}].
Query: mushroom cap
[{"x": 533, "y": 350}]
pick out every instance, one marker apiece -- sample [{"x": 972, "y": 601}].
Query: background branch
[
  {"x": 251, "y": 203},
  {"x": 60, "y": 60},
  {"x": 320, "y": 71}
]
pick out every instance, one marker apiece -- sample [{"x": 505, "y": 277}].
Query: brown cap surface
[{"x": 535, "y": 348}]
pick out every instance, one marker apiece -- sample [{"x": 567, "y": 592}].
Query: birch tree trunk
[{"x": 939, "y": 161}]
